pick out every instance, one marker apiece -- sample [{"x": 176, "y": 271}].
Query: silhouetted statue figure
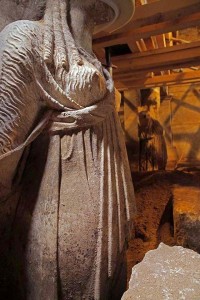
[{"x": 153, "y": 150}]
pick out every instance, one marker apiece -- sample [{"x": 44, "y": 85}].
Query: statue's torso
[{"x": 22, "y": 63}]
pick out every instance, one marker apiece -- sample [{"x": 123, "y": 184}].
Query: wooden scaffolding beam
[
  {"x": 179, "y": 56},
  {"x": 162, "y": 80},
  {"x": 154, "y": 19}
]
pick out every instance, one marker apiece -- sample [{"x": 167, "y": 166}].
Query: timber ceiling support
[
  {"x": 151, "y": 36},
  {"x": 153, "y": 19},
  {"x": 168, "y": 58},
  {"x": 163, "y": 80}
]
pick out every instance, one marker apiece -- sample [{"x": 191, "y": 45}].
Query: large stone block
[
  {"x": 167, "y": 273},
  {"x": 186, "y": 211}
]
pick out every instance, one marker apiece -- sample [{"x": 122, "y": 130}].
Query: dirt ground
[{"x": 154, "y": 200}]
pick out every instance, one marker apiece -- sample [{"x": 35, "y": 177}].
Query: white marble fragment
[{"x": 167, "y": 273}]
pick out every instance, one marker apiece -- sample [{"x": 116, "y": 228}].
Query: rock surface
[
  {"x": 167, "y": 273},
  {"x": 186, "y": 211}
]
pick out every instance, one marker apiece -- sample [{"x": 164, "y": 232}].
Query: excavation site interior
[{"x": 100, "y": 150}]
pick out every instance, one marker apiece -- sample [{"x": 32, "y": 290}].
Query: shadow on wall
[
  {"x": 184, "y": 116},
  {"x": 129, "y": 117}
]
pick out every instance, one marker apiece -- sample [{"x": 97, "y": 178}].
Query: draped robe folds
[{"x": 69, "y": 227}]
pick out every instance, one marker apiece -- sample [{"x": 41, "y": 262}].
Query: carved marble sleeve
[
  {"x": 26, "y": 84},
  {"x": 18, "y": 96}
]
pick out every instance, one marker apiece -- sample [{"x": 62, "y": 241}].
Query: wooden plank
[
  {"x": 174, "y": 49},
  {"x": 150, "y": 30},
  {"x": 161, "y": 11},
  {"x": 168, "y": 39},
  {"x": 143, "y": 45},
  {"x": 161, "y": 40},
  {"x": 133, "y": 47},
  {"x": 164, "y": 80},
  {"x": 149, "y": 44},
  {"x": 130, "y": 75},
  {"x": 180, "y": 40},
  {"x": 154, "y": 41},
  {"x": 184, "y": 55},
  {"x": 139, "y": 46}
]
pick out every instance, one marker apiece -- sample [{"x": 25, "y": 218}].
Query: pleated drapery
[{"x": 80, "y": 215}]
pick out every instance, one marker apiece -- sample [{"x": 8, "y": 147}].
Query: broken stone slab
[
  {"x": 167, "y": 273},
  {"x": 186, "y": 215}
]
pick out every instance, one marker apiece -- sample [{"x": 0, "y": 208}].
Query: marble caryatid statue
[{"x": 66, "y": 195}]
